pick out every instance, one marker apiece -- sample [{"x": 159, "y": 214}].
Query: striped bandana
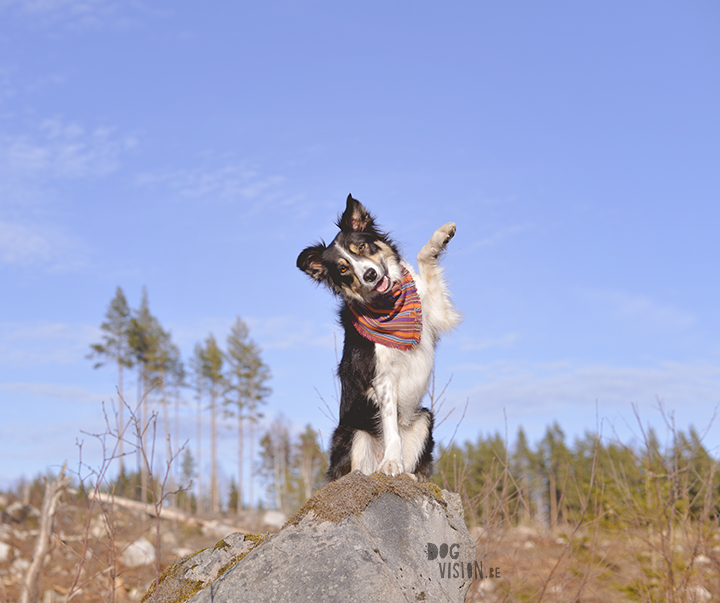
[{"x": 395, "y": 319}]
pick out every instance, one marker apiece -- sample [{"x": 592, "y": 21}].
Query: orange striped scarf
[{"x": 394, "y": 320}]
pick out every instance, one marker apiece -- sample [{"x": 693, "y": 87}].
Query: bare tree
[{"x": 53, "y": 490}]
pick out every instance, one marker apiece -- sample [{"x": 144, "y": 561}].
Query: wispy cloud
[
  {"x": 51, "y": 391},
  {"x": 72, "y": 13},
  {"x": 66, "y": 150},
  {"x": 226, "y": 182},
  {"x": 535, "y": 395},
  {"x": 270, "y": 333},
  {"x": 640, "y": 309},
  {"x": 505, "y": 341},
  {"x": 37, "y": 344},
  {"x": 26, "y": 245},
  {"x": 283, "y": 332},
  {"x": 500, "y": 235}
]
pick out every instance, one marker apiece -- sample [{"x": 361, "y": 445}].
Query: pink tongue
[{"x": 383, "y": 285}]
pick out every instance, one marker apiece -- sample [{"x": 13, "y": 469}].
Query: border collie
[{"x": 393, "y": 318}]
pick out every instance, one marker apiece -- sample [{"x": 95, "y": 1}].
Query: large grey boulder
[{"x": 360, "y": 539}]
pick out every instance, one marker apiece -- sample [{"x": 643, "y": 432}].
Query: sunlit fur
[{"x": 383, "y": 426}]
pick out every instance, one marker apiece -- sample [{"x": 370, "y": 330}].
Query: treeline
[
  {"x": 555, "y": 483},
  {"x": 230, "y": 384}
]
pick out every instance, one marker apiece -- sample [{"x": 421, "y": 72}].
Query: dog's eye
[
  {"x": 344, "y": 269},
  {"x": 361, "y": 248}
]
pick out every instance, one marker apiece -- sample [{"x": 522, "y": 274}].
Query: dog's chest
[{"x": 402, "y": 376}]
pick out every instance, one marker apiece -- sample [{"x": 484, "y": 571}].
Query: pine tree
[
  {"x": 210, "y": 367},
  {"x": 187, "y": 475},
  {"x": 275, "y": 463},
  {"x": 144, "y": 334},
  {"x": 554, "y": 460},
  {"x": 115, "y": 348},
  {"x": 165, "y": 368},
  {"x": 196, "y": 365},
  {"x": 247, "y": 388},
  {"x": 523, "y": 463},
  {"x": 310, "y": 462}
]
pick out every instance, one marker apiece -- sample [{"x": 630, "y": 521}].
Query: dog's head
[{"x": 360, "y": 264}]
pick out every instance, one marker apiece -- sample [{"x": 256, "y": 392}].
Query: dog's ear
[
  {"x": 310, "y": 262},
  {"x": 355, "y": 218}
]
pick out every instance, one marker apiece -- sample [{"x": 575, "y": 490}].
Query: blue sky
[{"x": 197, "y": 148}]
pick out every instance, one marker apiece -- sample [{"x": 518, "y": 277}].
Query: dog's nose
[{"x": 370, "y": 275}]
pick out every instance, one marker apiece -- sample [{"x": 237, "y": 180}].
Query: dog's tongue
[{"x": 383, "y": 285}]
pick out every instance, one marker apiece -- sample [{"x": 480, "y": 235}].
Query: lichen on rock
[{"x": 190, "y": 574}]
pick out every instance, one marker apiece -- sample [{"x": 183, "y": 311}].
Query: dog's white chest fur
[{"x": 403, "y": 376}]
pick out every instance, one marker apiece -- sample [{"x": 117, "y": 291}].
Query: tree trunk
[
  {"x": 200, "y": 506},
  {"x": 240, "y": 459},
  {"x": 553, "y": 500},
  {"x": 29, "y": 592},
  {"x": 214, "y": 502},
  {"x": 168, "y": 444},
  {"x": 252, "y": 461},
  {"x": 121, "y": 429}
]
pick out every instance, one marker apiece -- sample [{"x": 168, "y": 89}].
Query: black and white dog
[{"x": 392, "y": 318}]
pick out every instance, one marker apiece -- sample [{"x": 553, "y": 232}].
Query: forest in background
[{"x": 549, "y": 483}]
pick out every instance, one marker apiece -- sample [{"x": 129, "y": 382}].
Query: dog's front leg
[
  {"x": 428, "y": 257},
  {"x": 386, "y": 399}
]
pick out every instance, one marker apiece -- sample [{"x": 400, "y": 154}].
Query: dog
[{"x": 393, "y": 318}]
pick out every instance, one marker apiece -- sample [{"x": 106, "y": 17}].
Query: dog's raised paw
[
  {"x": 441, "y": 237},
  {"x": 445, "y": 233}
]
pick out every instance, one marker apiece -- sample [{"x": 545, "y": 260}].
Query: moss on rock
[
  {"x": 351, "y": 494},
  {"x": 177, "y": 583}
]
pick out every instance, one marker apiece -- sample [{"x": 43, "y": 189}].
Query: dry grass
[{"x": 653, "y": 537}]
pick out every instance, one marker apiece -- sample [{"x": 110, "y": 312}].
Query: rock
[
  {"x": 5, "y": 551},
  {"x": 274, "y": 519},
  {"x": 139, "y": 553},
  {"x": 18, "y": 512},
  {"x": 194, "y": 572},
  {"x": 360, "y": 539},
  {"x": 19, "y": 568},
  {"x": 699, "y": 594},
  {"x": 216, "y": 529}
]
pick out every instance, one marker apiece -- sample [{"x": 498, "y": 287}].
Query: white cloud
[
  {"x": 57, "y": 149},
  {"x": 230, "y": 181},
  {"x": 270, "y": 333},
  {"x": 638, "y": 309},
  {"x": 31, "y": 245},
  {"x": 21, "y": 245},
  {"x": 30, "y": 345},
  {"x": 505, "y": 341},
  {"x": 282, "y": 332},
  {"x": 501, "y": 235},
  {"x": 52, "y": 391},
  {"x": 84, "y": 14}
]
